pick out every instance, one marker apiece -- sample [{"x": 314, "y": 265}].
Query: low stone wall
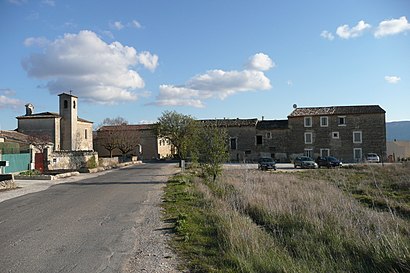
[
  {"x": 71, "y": 160},
  {"x": 108, "y": 161}
]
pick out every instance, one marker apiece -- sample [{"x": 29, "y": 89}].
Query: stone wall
[{"x": 69, "y": 160}]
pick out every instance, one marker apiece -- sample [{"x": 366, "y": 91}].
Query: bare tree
[
  {"x": 106, "y": 137},
  {"x": 127, "y": 139},
  {"x": 40, "y": 141}
]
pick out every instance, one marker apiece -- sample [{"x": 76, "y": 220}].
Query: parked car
[
  {"x": 328, "y": 161},
  {"x": 266, "y": 163},
  {"x": 305, "y": 162},
  {"x": 372, "y": 157}
]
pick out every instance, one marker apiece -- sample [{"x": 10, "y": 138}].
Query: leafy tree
[
  {"x": 211, "y": 148},
  {"x": 179, "y": 129}
]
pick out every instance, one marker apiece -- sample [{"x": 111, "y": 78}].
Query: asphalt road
[{"x": 85, "y": 226}]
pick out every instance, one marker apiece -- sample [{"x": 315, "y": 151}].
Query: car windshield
[
  {"x": 306, "y": 158},
  {"x": 266, "y": 160},
  {"x": 332, "y": 159}
]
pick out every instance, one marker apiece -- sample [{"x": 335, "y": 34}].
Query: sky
[{"x": 208, "y": 59}]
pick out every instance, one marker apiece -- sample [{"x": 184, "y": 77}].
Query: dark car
[
  {"x": 328, "y": 161},
  {"x": 266, "y": 163},
  {"x": 304, "y": 162}
]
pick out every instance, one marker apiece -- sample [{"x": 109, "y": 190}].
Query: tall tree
[{"x": 178, "y": 129}]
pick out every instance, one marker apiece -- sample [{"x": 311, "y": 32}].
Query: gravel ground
[{"x": 151, "y": 252}]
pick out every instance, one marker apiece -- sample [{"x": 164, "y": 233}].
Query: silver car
[{"x": 305, "y": 162}]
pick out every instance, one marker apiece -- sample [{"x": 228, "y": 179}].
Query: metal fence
[{"x": 17, "y": 162}]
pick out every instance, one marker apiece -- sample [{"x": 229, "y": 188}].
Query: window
[
  {"x": 308, "y": 152},
  {"x": 357, "y": 154},
  {"x": 248, "y": 152},
  {"x": 335, "y": 135},
  {"x": 324, "y": 121},
  {"x": 73, "y": 104},
  {"x": 342, "y": 120},
  {"x": 324, "y": 152},
  {"x": 357, "y": 136},
  {"x": 258, "y": 140},
  {"x": 308, "y": 121},
  {"x": 65, "y": 104},
  {"x": 308, "y": 138},
  {"x": 85, "y": 134},
  {"x": 268, "y": 135},
  {"x": 233, "y": 143}
]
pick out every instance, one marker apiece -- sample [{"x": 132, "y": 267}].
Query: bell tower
[{"x": 68, "y": 122}]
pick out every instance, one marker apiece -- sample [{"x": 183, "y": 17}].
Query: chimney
[{"x": 29, "y": 109}]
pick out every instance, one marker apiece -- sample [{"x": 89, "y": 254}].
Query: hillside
[{"x": 399, "y": 130}]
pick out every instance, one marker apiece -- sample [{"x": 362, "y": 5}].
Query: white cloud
[
  {"x": 260, "y": 61},
  {"x": 49, "y": 2},
  {"x": 117, "y": 25},
  {"x": 327, "y": 35},
  {"x": 17, "y": 2},
  {"x": 94, "y": 70},
  {"x": 38, "y": 41},
  {"x": 392, "y": 79},
  {"x": 135, "y": 24},
  {"x": 6, "y": 101},
  {"x": 148, "y": 60},
  {"x": 392, "y": 27},
  {"x": 217, "y": 84},
  {"x": 345, "y": 32}
]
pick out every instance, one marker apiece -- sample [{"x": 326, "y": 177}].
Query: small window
[
  {"x": 268, "y": 135},
  {"x": 65, "y": 104},
  {"x": 308, "y": 138},
  {"x": 258, "y": 140},
  {"x": 73, "y": 104},
  {"x": 324, "y": 152},
  {"x": 308, "y": 152},
  {"x": 233, "y": 143},
  {"x": 357, "y": 154},
  {"x": 308, "y": 121},
  {"x": 335, "y": 135},
  {"x": 324, "y": 121},
  {"x": 342, "y": 121},
  {"x": 85, "y": 134},
  {"x": 248, "y": 152},
  {"x": 357, "y": 136}
]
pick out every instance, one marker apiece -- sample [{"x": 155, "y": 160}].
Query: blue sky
[{"x": 208, "y": 59}]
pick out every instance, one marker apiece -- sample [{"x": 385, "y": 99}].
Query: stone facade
[
  {"x": 346, "y": 132},
  {"x": 64, "y": 129}
]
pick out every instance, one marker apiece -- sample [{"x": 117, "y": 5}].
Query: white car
[{"x": 372, "y": 158}]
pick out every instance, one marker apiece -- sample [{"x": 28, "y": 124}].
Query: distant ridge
[{"x": 398, "y": 130}]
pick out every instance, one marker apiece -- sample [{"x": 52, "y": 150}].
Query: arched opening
[{"x": 65, "y": 104}]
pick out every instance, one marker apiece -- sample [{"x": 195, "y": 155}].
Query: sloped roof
[
  {"x": 133, "y": 127},
  {"x": 40, "y": 115},
  {"x": 272, "y": 124},
  {"x": 231, "y": 122},
  {"x": 14, "y": 136},
  {"x": 48, "y": 115},
  {"x": 337, "y": 110}
]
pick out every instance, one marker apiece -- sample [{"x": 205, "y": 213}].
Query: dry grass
[{"x": 306, "y": 221}]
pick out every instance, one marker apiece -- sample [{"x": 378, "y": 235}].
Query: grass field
[{"x": 337, "y": 220}]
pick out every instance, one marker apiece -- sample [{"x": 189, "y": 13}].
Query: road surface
[{"x": 109, "y": 223}]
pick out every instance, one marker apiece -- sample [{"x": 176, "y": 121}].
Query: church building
[{"x": 65, "y": 129}]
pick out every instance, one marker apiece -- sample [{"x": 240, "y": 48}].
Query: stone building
[
  {"x": 142, "y": 138},
  {"x": 346, "y": 132},
  {"x": 64, "y": 129}
]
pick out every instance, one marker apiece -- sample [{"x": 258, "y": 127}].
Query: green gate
[{"x": 17, "y": 162}]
